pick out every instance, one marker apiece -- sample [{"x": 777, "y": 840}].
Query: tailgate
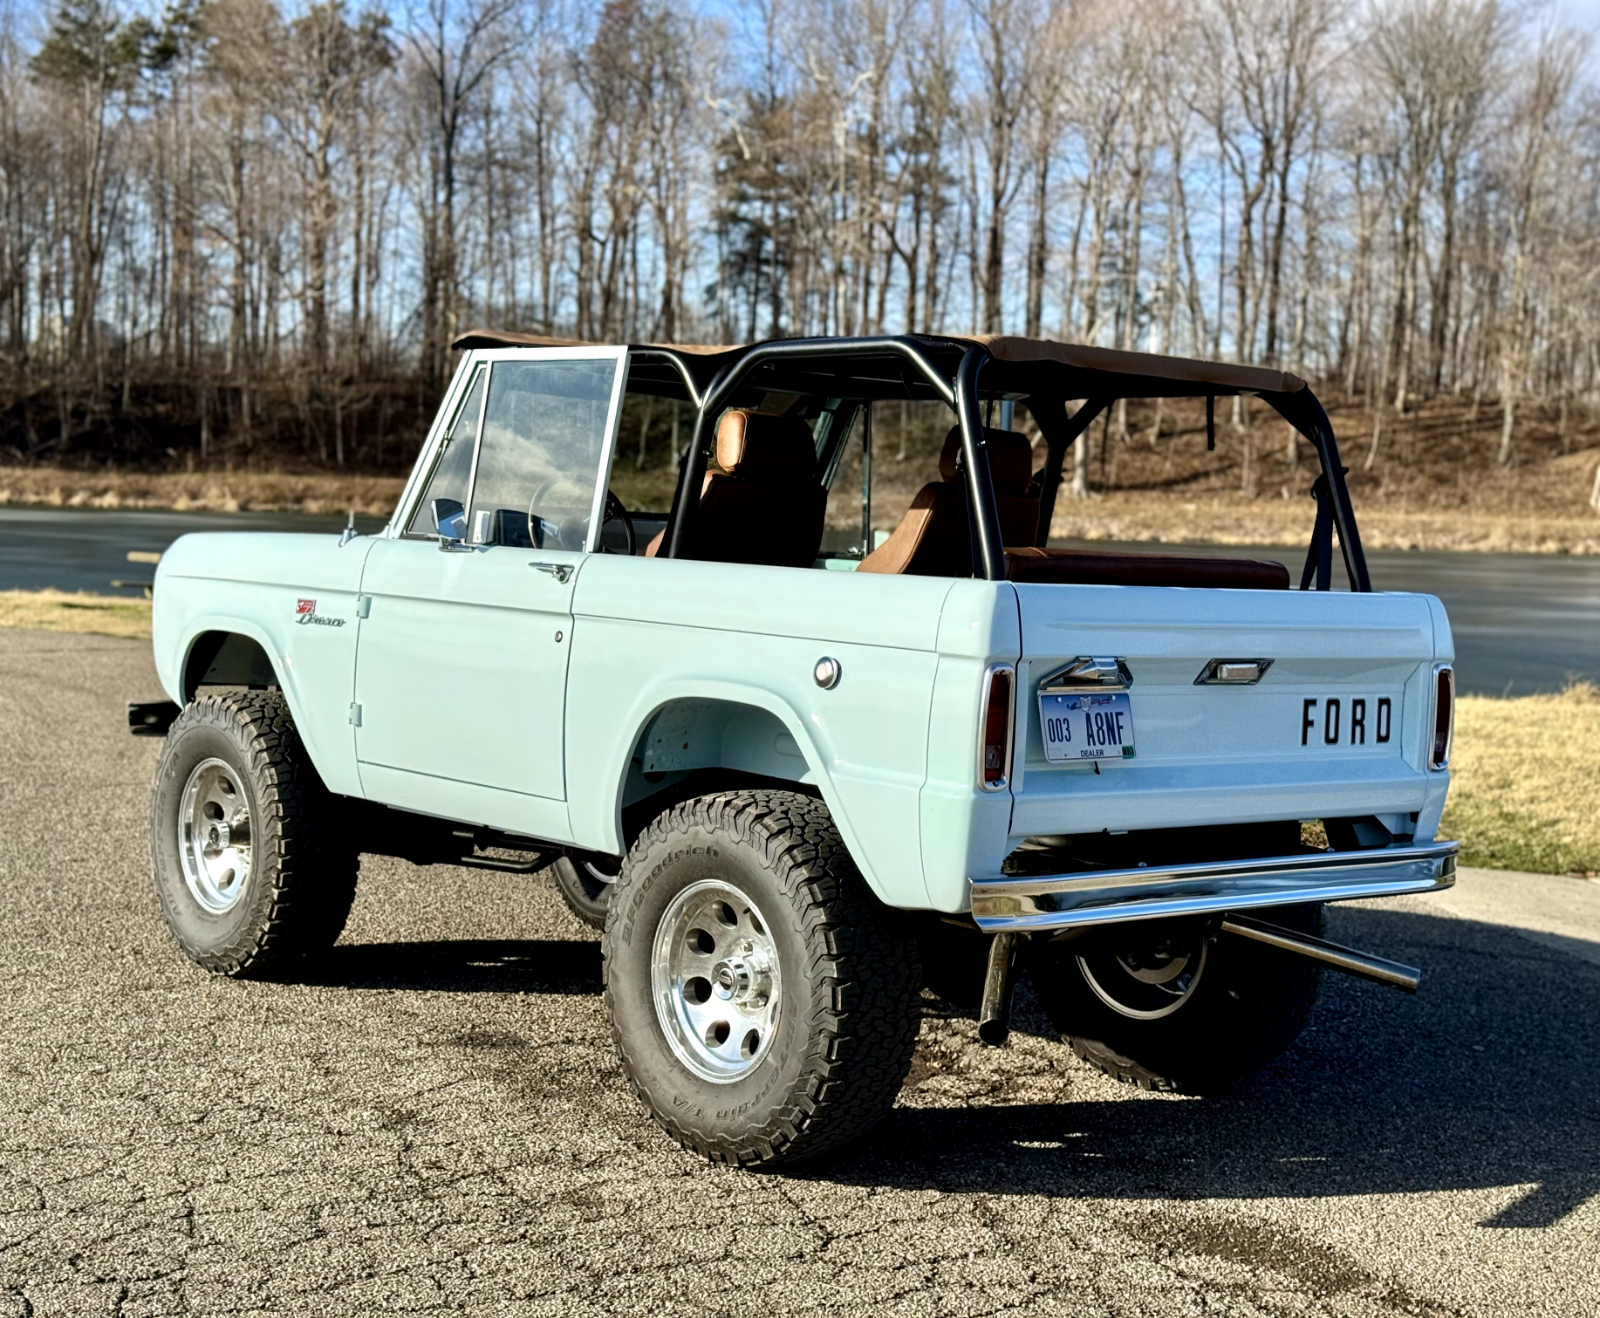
[{"x": 1334, "y": 727}]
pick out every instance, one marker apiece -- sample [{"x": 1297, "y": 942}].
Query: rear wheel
[
  {"x": 585, "y": 879},
  {"x": 1177, "y": 1005},
  {"x": 251, "y": 871},
  {"x": 763, "y": 1002}
]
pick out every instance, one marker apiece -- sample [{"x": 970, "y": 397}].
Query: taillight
[
  {"x": 999, "y": 718},
  {"x": 1444, "y": 715}
]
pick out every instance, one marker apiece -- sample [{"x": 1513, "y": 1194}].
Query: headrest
[
  {"x": 757, "y": 446},
  {"x": 1010, "y": 459}
]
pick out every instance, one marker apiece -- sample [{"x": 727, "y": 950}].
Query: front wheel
[
  {"x": 1178, "y": 1005},
  {"x": 763, "y": 1002},
  {"x": 251, "y": 871}
]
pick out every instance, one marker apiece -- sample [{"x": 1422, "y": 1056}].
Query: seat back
[
  {"x": 933, "y": 538},
  {"x": 764, "y": 504}
]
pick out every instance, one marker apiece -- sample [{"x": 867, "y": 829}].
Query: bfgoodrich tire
[
  {"x": 763, "y": 1002},
  {"x": 1178, "y": 1006},
  {"x": 249, "y": 872}
]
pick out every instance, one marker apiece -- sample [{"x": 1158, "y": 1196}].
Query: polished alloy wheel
[
  {"x": 1148, "y": 982},
  {"x": 715, "y": 980},
  {"x": 214, "y": 836}
]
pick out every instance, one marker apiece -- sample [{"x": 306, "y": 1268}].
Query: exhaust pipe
[
  {"x": 1359, "y": 964},
  {"x": 994, "y": 1018}
]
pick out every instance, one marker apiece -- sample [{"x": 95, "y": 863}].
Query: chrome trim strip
[
  {"x": 1011, "y": 726},
  {"x": 1062, "y": 901}
]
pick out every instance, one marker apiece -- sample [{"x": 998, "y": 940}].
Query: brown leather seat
[
  {"x": 1090, "y": 567},
  {"x": 764, "y": 504},
  {"x": 933, "y": 539}
]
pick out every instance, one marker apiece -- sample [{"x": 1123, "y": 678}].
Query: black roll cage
[{"x": 923, "y": 361}]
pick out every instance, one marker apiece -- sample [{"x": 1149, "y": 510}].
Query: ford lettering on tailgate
[{"x": 1346, "y": 720}]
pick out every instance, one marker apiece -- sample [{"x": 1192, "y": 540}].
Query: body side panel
[{"x": 648, "y": 632}]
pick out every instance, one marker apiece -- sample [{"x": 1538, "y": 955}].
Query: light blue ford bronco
[{"x": 799, "y": 776}]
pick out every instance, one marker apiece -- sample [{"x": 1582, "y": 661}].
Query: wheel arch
[
  {"x": 228, "y": 651},
  {"x": 223, "y": 657},
  {"x": 741, "y": 731}
]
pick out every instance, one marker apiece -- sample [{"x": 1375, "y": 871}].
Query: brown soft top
[
  {"x": 1009, "y": 348},
  {"x": 486, "y": 338},
  {"x": 1227, "y": 375}
]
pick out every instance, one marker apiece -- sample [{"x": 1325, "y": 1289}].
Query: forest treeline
[{"x": 235, "y": 230}]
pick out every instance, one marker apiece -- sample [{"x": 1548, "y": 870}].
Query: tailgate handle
[
  {"x": 1233, "y": 672},
  {"x": 1092, "y": 671}
]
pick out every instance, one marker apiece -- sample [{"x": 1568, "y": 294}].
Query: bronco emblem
[{"x": 306, "y": 612}]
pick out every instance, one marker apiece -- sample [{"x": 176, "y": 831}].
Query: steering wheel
[
  {"x": 576, "y": 530},
  {"x": 615, "y": 511}
]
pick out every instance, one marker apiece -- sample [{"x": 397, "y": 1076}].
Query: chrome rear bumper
[{"x": 1061, "y": 901}]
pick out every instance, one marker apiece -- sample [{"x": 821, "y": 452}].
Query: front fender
[{"x": 215, "y": 583}]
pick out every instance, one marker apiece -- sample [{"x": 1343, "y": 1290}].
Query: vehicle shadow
[
  {"x": 1489, "y": 1077},
  {"x": 472, "y": 965}
]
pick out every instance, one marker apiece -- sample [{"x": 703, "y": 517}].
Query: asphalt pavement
[{"x": 433, "y": 1119}]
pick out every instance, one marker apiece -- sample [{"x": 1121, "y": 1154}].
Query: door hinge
[
  {"x": 355, "y": 715},
  {"x": 363, "y": 606}
]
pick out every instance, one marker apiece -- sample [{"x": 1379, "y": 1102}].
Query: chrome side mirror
[{"x": 450, "y": 522}]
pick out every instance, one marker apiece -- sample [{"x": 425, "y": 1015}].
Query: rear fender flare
[{"x": 747, "y": 711}]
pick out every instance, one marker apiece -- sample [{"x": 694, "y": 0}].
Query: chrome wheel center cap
[{"x": 735, "y": 979}]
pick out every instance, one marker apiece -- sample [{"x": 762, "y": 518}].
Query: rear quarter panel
[{"x": 649, "y": 631}]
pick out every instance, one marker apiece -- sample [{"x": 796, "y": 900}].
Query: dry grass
[
  {"x": 1523, "y": 782},
  {"x": 1223, "y": 520},
  {"x": 64, "y": 611},
  {"x": 218, "y": 491},
  {"x": 1511, "y": 807}
]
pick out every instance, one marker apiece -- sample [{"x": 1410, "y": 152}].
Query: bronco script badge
[{"x": 306, "y": 611}]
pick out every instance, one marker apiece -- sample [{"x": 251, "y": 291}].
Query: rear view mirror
[{"x": 449, "y": 519}]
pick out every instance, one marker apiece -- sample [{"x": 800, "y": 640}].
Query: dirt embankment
[{"x": 1435, "y": 481}]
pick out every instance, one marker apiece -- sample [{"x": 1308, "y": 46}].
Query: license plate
[{"x": 1087, "y": 727}]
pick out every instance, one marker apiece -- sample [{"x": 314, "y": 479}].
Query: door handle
[{"x": 560, "y": 571}]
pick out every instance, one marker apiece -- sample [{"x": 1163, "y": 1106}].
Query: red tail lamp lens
[
  {"x": 997, "y": 729},
  {"x": 1444, "y": 716}
]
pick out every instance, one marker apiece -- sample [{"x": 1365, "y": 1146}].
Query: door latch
[{"x": 560, "y": 571}]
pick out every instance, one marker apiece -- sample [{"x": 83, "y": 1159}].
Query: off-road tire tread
[
  {"x": 1276, "y": 1025},
  {"x": 311, "y": 878},
  {"x": 568, "y": 883},
  {"x": 862, "y": 1043}
]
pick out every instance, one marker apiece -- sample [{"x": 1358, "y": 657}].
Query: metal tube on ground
[
  {"x": 1376, "y": 968},
  {"x": 994, "y": 1018}
]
